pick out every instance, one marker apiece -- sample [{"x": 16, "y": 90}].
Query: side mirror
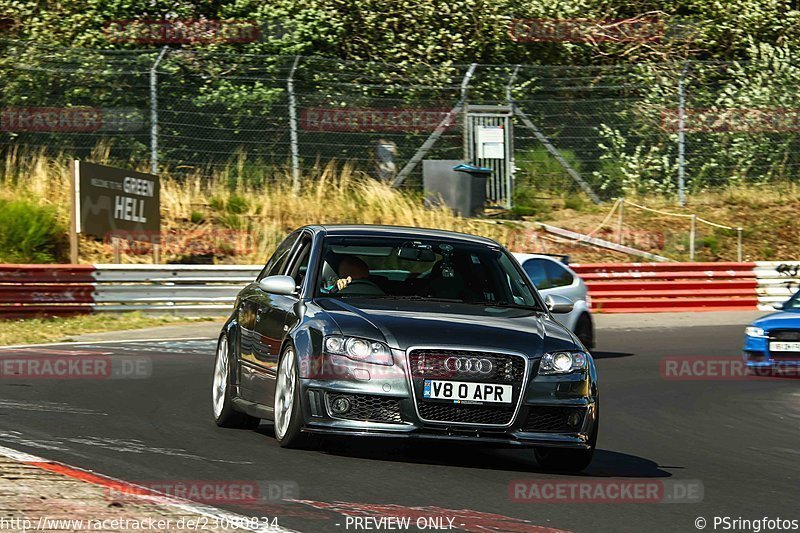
[
  {"x": 557, "y": 304},
  {"x": 278, "y": 285}
]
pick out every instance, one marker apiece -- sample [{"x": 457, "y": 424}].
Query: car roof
[{"x": 369, "y": 230}]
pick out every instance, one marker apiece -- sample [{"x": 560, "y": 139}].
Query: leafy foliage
[{"x": 29, "y": 233}]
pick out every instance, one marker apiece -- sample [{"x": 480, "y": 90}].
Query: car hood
[
  {"x": 403, "y": 324},
  {"x": 781, "y": 319}
]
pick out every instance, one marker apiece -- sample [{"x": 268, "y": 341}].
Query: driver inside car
[{"x": 354, "y": 278}]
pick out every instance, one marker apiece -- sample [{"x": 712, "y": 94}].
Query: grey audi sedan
[{"x": 405, "y": 333}]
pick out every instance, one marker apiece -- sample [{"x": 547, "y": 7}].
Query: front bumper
[
  {"x": 556, "y": 411},
  {"x": 756, "y": 354}
]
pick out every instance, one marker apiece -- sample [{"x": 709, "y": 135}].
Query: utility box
[{"x": 455, "y": 184}]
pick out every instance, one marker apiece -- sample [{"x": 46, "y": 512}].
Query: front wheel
[
  {"x": 225, "y": 415},
  {"x": 288, "y": 409}
]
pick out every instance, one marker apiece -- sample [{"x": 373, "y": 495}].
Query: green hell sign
[{"x": 114, "y": 202}]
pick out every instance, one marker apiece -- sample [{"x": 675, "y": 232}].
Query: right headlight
[
  {"x": 754, "y": 331},
  {"x": 358, "y": 349},
  {"x": 562, "y": 362}
]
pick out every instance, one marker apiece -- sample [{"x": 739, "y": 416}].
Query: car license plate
[
  {"x": 465, "y": 391},
  {"x": 784, "y": 347}
]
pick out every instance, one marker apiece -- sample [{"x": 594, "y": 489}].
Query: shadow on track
[{"x": 467, "y": 455}]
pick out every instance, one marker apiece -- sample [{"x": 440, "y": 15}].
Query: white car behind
[{"x": 551, "y": 276}]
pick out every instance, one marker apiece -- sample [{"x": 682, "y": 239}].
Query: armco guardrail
[
  {"x": 28, "y": 290},
  {"x": 654, "y": 287}
]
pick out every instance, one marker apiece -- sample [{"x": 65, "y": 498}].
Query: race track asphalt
[{"x": 738, "y": 438}]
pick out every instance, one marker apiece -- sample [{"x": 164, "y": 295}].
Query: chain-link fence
[{"x": 604, "y": 129}]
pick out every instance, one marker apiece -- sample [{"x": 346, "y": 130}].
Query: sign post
[{"x": 113, "y": 204}]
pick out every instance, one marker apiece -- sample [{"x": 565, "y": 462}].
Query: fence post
[
  {"x": 691, "y": 238},
  {"x": 293, "y": 126},
  {"x": 464, "y": 90},
  {"x": 154, "y": 111},
  {"x": 620, "y": 221},
  {"x": 682, "y": 136},
  {"x": 739, "y": 244}
]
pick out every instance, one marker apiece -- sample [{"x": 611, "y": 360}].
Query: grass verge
[{"x": 43, "y": 330}]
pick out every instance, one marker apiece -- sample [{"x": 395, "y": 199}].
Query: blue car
[{"x": 774, "y": 340}]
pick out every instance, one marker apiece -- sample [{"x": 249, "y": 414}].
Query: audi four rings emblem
[{"x": 472, "y": 365}]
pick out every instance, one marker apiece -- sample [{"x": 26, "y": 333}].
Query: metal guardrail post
[
  {"x": 154, "y": 111},
  {"x": 692, "y": 232}
]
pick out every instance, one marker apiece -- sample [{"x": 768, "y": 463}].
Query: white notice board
[{"x": 491, "y": 142}]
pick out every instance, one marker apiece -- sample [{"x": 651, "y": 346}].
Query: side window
[
  {"x": 557, "y": 275},
  {"x": 535, "y": 268},
  {"x": 278, "y": 260},
  {"x": 299, "y": 266}
]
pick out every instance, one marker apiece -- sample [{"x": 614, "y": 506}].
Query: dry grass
[{"x": 232, "y": 220}]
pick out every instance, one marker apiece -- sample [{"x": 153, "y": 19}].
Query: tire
[
  {"x": 288, "y": 408},
  {"x": 585, "y": 331},
  {"x": 225, "y": 415},
  {"x": 565, "y": 459}
]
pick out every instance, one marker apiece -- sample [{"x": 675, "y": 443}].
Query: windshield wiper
[{"x": 418, "y": 298}]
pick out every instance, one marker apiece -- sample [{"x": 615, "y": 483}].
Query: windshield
[
  {"x": 424, "y": 269},
  {"x": 793, "y": 304}
]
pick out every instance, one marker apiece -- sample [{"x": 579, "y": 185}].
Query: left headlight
[
  {"x": 754, "y": 331},
  {"x": 562, "y": 362},
  {"x": 358, "y": 349}
]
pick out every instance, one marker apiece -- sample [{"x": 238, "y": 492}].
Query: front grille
[
  {"x": 784, "y": 335},
  {"x": 553, "y": 419},
  {"x": 368, "y": 408},
  {"x": 470, "y": 414},
  {"x": 429, "y": 363}
]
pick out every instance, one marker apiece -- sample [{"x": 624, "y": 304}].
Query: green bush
[
  {"x": 528, "y": 204},
  {"x": 237, "y": 204},
  {"x": 30, "y": 233},
  {"x": 574, "y": 202}
]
